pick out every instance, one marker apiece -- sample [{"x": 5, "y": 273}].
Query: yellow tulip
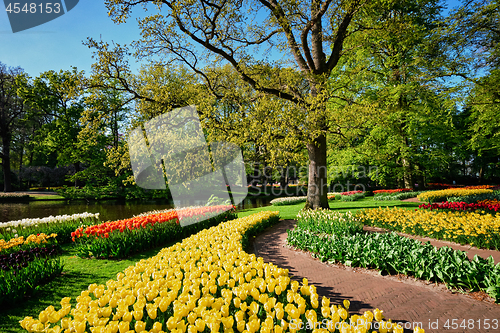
[
  {"x": 342, "y": 313},
  {"x": 140, "y": 326},
  {"x": 112, "y": 327},
  {"x": 79, "y": 326},
  {"x": 38, "y": 327},
  {"x": 124, "y": 326},
  {"x": 152, "y": 311},
  {"x": 55, "y": 329},
  {"x": 181, "y": 325},
  {"x": 43, "y": 317},
  {"x": 127, "y": 316},
  {"x": 227, "y": 322},
  {"x": 254, "y": 308},
  {"x": 378, "y": 314},
  {"x": 200, "y": 324},
  {"x": 27, "y": 322},
  {"x": 65, "y": 300},
  {"x": 240, "y": 325},
  {"x": 253, "y": 326}
]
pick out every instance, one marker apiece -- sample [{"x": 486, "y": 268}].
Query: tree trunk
[
  {"x": 78, "y": 183},
  {"x": 317, "y": 187},
  {"x": 21, "y": 156},
  {"x": 255, "y": 176},
  {"x": 408, "y": 174},
  {"x": 284, "y": 177},
  {"x": 7, "y": 180}
]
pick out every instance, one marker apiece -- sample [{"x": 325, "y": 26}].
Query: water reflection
[{"x": 109, "y": 210}]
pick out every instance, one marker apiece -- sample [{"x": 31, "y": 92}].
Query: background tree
[
  {"x": 12, "y": 111},
  {"x": 393, "y": 106},
  {"x": 477, "y": 25},
  {"x": 59, "y": 96}
]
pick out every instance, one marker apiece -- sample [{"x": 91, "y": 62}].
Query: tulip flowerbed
[
  {"x": 19, "y": 243},
  {"x": 495, "y": 195},
  {"x": 7, "y": 197},
  {"x": 399, "y": 190},
  {"x": 396, "y": 196},
  {"x": 119, "y": 239},
  {"x": 24, "y": 264},
  {"x": 62, "y": 225},
  {"x": 480, "y": 230},
  {"x": 288, "y": 201},
  {"x": 352, "y": 195},
  {"x": 206, "y": 283},
  {"x": 443, "y": 195},
  {"x": 488, "y": 205},
  {"x": 389, "y": 252}
]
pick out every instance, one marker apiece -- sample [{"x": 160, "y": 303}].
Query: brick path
[{"x": 403, "y": 300}]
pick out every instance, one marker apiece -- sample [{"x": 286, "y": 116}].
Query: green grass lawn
[
  {"x": 79, "y": 273},
  {"x": 41, "y": 197},
  {"x": 290, "y": 211}
]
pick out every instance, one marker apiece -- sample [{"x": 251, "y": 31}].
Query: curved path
[{"x": 404, "y": 300}]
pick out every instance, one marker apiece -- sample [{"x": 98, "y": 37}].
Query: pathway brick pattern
[{"x": 401, "y": 300}]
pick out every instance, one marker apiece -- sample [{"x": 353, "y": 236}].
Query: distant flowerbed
[
  {"x": 19, "y": 243},
  {"x": 392, "y": 191},
  {"x": 488, "y": 205},
  {"x": 442, "y": 195},
  {"x": 352, "y": 195},
  {"x": 288, "y": 201},
  {"x": 396, "y": 195},
  {"x": 13, "y": 196}
]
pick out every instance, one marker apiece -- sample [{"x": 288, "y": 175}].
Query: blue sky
[{"x": 57, "y": 44}]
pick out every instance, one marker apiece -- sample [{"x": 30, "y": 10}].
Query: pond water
[{"x": 109, "y": 210}]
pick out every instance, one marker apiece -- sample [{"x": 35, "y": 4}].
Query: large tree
[
  {"x": 59, "y": 97},
  {"x": 393, "y": 105},
  {"x": 307, "y": 36},
  {"x": 12, "y": 110},
  {"x": 475, "y": 34}
]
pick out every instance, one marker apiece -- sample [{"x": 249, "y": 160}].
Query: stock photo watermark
[
  {"x": 27, "y": 14},
  {"x": 171, "y": 148}
]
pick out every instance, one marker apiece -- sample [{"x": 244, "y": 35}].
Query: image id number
[
  {"x": 471, "y": 324},
  {"x": 33, "y": 8}
]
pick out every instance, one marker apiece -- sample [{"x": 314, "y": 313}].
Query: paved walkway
[{"x": 402, "y": 299}]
